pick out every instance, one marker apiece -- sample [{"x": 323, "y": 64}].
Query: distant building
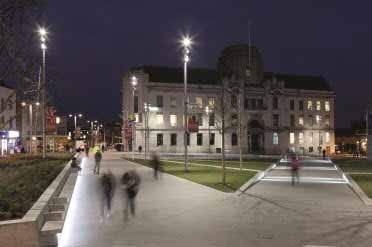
[
  {"x": 278, "y": 112},
  {"x": 8, "y": 130}
]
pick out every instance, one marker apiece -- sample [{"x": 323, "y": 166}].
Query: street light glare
[
  {"x": 43, "y": 32},
  {"x": 186, "y": 41},
  {"x": 80, "y": 115},
  {"x": 134, "y": 80},
  {"x": 43, "y": 46},
  {"x": 23, "y": 103}
]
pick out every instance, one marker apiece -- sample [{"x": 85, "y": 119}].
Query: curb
[
  {"x": 254, "y": 180},
  {"x": 358, "y": 191}
]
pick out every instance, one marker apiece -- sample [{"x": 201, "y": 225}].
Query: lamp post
[
  {"x": 147, "y": 110},
  {"x": 134, "y": 84},
  {"x": 30, "y": 127},
  {"x": 208, "y": 111},
  {"x": 75, "y": 116},
  {"x": 186, "y": 44},
  {"x": 43, "y": 36}
]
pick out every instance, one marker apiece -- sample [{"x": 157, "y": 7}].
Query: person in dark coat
[
  {"x": 108, "y": 190},
  {"x": 156, "y": 165},
  {"x": 131, "y": 182},
  {"x": 97, "y": 158}
]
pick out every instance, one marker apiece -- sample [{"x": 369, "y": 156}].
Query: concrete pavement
[{"x": 176, "y": 212}]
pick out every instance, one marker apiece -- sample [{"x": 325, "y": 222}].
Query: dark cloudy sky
[{"x": 94, "y": 42}]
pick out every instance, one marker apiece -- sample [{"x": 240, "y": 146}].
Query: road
[{"x": 177, "y": 212}]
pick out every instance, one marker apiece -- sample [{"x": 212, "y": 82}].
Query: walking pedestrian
[
  {"x": 75, "y": 165},
  {"x": 324, "y": 154},
  {"x": 108, "y": 190},
  {"x": 156, "y": 165},
  {"x": 131, "y": 182},
  {"x": 98, "y": 158},
  {"x": 87, "y": 151},
  {"x": 103, "y": 148},
  {"x": 294, "y": 169}
]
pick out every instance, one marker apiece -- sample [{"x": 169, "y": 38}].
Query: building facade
[
  {"x": 9, "y": 134},
  {"x": 269, "y": 113}
]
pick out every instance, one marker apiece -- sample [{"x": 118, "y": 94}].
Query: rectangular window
[
  {"x": 260, "y": 104},
  {"x": 159, "y": 139},
  {"x": 318, "y": 118},
  {"x": 200, "y": 119},
  {"x": 292, "y": 122},
  {"x": 211, "y": 102},
  {"x": 199, "y": 139},
  {"x": 326, "y": 120},
  {"x": 234, "y": 139},
  {"x": 211, "y": 139},
  {"x": 234, "y": 119},
  {"x": 275, "y": 103},
  {"x": 137, "y": 117},
  {"x": 252, "y": 104},
  {"x": 327, "y": 106},
  {"x": 173, "y": 101},
  {"x": 301, "y": 120},
  {"x": 246, "y": 103},
  {"x": 199, "y": 102},
  {"x": 188, "y": 139},
  {"x": 309, "y": 105},
  {"x": 275, "y": 138},
  {"x": 301, "y": 138},
  {"x": 135, "y": 104},
  {"x": 311, "y": 149},
  {"x": 291, "y": 138},
  {"x": 311, "y": 120},
  {"x": 320, "y": 139},
  {"x": 234, "y": 101},
  {"x": 211, "y": 119},
  {"x": 159, "y": 101},
  {"x": 311, "y": 137},
  {"x": 327, "y": 137},
  {"x": 275, "y": 120},
  {"x": 318, "y": 106},
  {"x": 173, "y": 140},
  {"x": 159, "y": 118},
  {"x": 291, "y": 104},
  {"x": 173, "y": 120},
  {"x": 301, "y": 105}
]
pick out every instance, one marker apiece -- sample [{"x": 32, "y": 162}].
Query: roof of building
[
  {"x": 3, "y": 84},
  {"x": 300, "y": 81},
  {"x": 210, "y": 77},
  {"x": 175, "y": 75}
]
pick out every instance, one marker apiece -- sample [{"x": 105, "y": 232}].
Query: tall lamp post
[
  {"x": 43, "y": 36},
  {"x": 186, "y": 45},
  {"x": 134, "y": 84},
  {"x": 75, "y": 116},
  {"x": 147, "y": 110},
  {"x": 208, "y": 111},
  {"x": 30, "y": 111}
]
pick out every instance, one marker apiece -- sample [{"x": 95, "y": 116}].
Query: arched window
[
  {"x": 275, "y": 102},
  {"x": 275, "y": 138}
]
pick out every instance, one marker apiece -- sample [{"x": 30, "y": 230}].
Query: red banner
[{"x": 193, "y": 125}]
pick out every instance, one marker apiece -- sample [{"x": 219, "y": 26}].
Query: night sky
[{"x": 93, "y": 42}]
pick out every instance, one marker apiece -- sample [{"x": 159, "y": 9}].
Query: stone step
[
  {"x": 51, "y": 228},
  {"x": 55, "y": 216},
  {"x": 57, "y": 207},
  {"x": 59, "y": 200}
]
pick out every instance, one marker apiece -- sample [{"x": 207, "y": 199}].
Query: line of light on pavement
[
  {"x": 307, "y": 168},
  {"x": 68, "y": 230},
  {"x": 306, "y": 181},
  {"x": 307, "y": 177}
]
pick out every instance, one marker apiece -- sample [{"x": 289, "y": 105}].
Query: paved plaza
[{"x": 177, "y": 212}]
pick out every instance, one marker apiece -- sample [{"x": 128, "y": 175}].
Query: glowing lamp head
[
  {"x": 134, "y": 80},
  {"x": 80, "y": 115},
  {"x": 43, "y": 32},
  {"x": 186, "y": 42},
  {"x": 70, "y": 115},
  {"x": 43, "y": 46},
  {"x": 37, "y": 103},
  {"x": 23, "y": 103}
]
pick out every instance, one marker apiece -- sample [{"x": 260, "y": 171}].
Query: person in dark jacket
[
  {"x": 131, "y": 182},
  {"x": 97, "y": 158},
  {"x": 108, "y": 190},
  {"x": 156, "y": 165}
]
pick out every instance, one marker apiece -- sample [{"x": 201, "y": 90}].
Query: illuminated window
[
  {"x": 318, "y": 106},
  {"x": 327, "y": 137},
  {"x": 291, "y": 138},
  {"x": 301, "y": 138},
  {"x": 327, "y": 106},
  {"x": 173, "y": 101},
  {"x": 275, "y": 138},
  {"x": 301, "y": 120},
  {"x": 159, "y": 118},
  {"x": 211, "y": 102},
  {"x": 137, "y": 117},
  {"x": 318, "y": 118},
  {"x": 310, "y": 105},
  {"x": 199, "y": 102},
  {"x": 326, "y": 120},
  {"x": 173, "y": 120}
]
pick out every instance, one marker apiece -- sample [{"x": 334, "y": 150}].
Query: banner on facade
[{"x": 193, "y": 125}]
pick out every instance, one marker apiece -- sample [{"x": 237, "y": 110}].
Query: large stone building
[{"x": 277, "y": 112}]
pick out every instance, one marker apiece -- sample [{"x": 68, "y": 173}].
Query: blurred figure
[
  {"x": 87, "y": 150},
  {"x": 108, "y": 190},
  {"x": 294, "y": 169},
  {"x": 103, "y": 148},
  {"x": 97, "y": 158},
  {"x": 324, "y": 154},
  {"x": 131, "y": 182},
  {"x": 140, "y": 149},
  {"x": 74, "y": 164},
  {"x": 156, "y": 165}
]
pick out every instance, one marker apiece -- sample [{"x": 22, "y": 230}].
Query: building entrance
[{"x": 255, "y": 137}]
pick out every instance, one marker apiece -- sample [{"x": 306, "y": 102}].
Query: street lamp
[
  {"x": 75, "y": 116},
  {"x": 43, "y": 37},
  {"x": 30, "y": 121},
  {"x": 208, "y": 111},
  {"x": 147, "y": 110},
  {"x": 186, "y": 45},
  {"x": 134, "y": 84}
]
